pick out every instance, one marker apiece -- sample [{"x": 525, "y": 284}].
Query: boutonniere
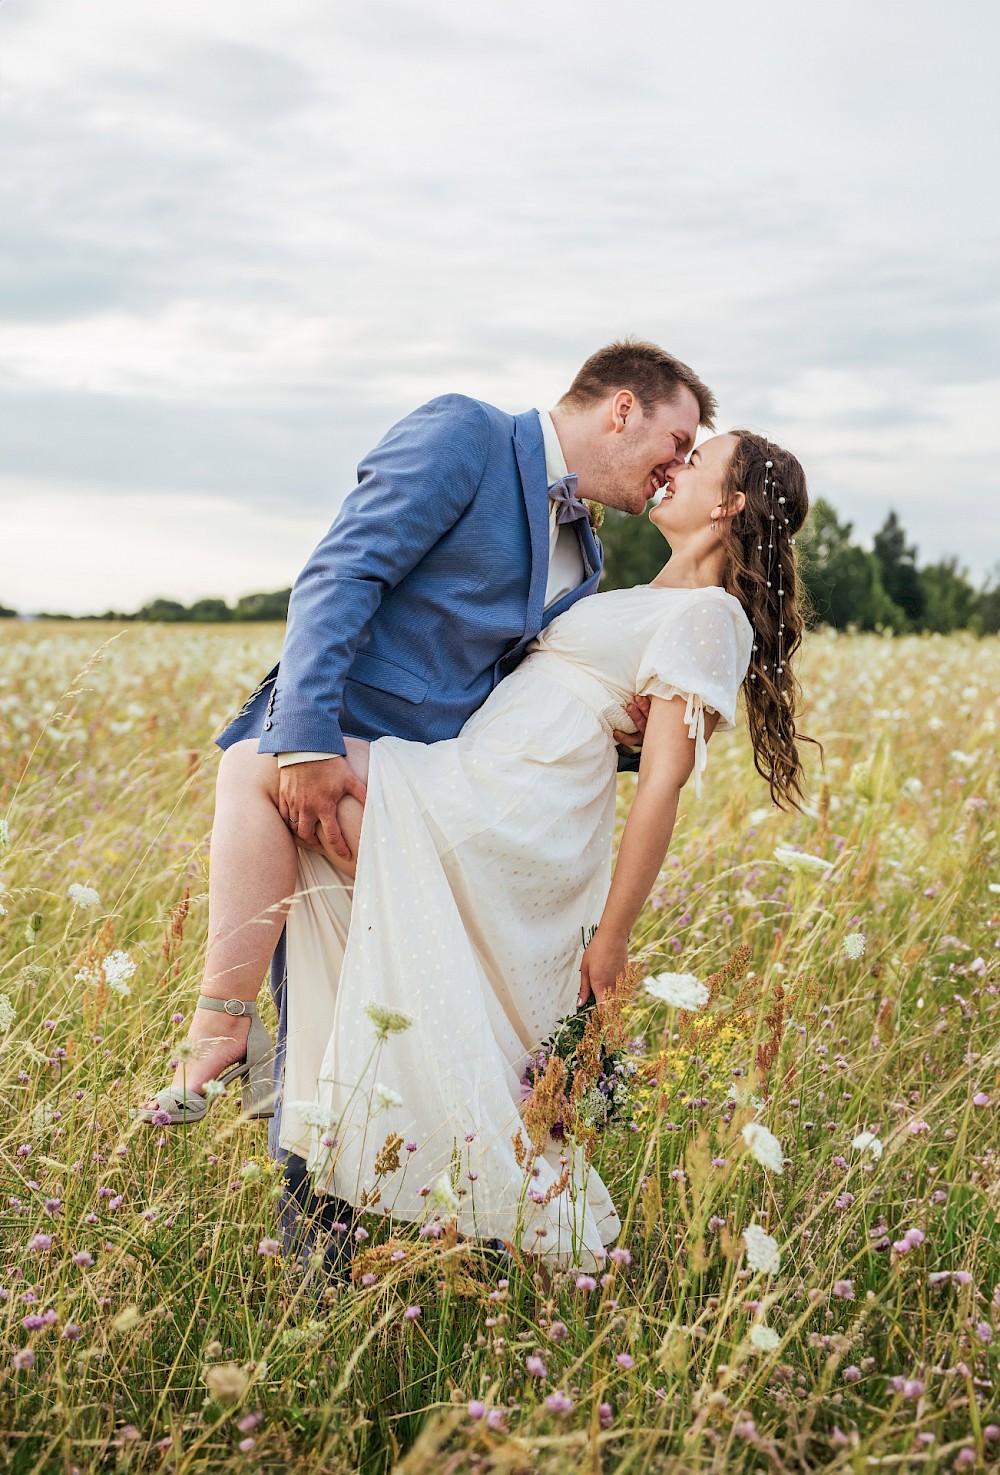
[{"x": 595, "y": 515}]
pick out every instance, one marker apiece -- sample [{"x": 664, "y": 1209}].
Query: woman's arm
[{"x": 666, "y": 765}]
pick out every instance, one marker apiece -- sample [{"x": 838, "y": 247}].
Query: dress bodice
[{"x": 652, "y": 641}]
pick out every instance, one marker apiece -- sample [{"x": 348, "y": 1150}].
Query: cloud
[{"x": 241, "y": 241}]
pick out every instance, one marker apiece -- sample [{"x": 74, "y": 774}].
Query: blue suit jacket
[
  {"x": 423, "y": 595},
  {"x": 426, "y": 590}
]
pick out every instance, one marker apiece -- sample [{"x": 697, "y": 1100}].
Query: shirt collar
[{"x": 555, "y": 461}]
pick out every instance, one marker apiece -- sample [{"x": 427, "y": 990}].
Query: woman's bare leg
[{"x": 252, "y": 879}]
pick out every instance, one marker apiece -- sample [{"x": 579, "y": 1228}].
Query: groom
[{"x": 465, "y": 536}]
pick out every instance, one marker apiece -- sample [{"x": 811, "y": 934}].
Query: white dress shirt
[{"x": 566, "y": 570}]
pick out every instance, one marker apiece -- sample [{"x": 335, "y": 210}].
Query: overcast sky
[{"x": 239, "y": 240}]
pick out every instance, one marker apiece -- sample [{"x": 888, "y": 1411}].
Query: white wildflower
[
  {"x": 213, "y": 1088},
  {"x": 964, "y": 760},
  {"x": 314, "y": 1114},
  {"x": 388, "y": 1021},
  {"x": 854, "y": 945},
  {"x": 43, "y": 1116},
  {"x": 118, "y": 969},
  {"x": 801, "y": 860},
  {"x": 4, "y": 834},
  {"x": 386, "y": 1096},
  {"x": 83, "y": 896},
  {"x": 765, "y": 1338},
  {"x": 868, "y": 1139},
  {"x": 593, "y": 1108},
  {"x": 912, "y": 786},
  {"x": 683, "y": 990},
  {"x": 762, "y": 1250},
  {"x": 6, "y": 1013},
  {"x": 444, "y": 1195},
  {"x": 994, "y": 888},
  {"x": 765, "y": 1146}
]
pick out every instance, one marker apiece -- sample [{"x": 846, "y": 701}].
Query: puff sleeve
[{"x": 700, "y": 651}]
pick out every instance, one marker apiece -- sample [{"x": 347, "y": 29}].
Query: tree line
[
  {"x": 883, "y": 588},
  {"x": 845, "y": 585}
]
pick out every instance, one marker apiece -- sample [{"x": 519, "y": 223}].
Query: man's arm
[{"x": 412, "y": 488}]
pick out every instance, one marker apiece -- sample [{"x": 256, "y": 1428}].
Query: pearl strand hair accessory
[{"x": 772, "y": 501}]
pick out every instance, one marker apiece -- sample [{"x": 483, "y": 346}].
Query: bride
[{"x": 483, "y": 862}]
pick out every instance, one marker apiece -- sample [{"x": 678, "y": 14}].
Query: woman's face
[{"x": 694, "y": 490}]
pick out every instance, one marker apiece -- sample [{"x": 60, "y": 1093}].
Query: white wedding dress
[{"x": 483, "y": 863}]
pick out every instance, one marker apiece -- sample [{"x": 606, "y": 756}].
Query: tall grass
[{"x": 146, "y": 1323}]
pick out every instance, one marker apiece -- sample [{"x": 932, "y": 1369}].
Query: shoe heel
[
  {"x": 258, "y": 1090},
  {"x": 258, "y": 1083}
]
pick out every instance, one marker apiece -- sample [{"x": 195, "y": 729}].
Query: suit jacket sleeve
[{"x": 412, "y": 488}]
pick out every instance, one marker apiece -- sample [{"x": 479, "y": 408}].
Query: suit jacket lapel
[{"x": 530, "y": 451}]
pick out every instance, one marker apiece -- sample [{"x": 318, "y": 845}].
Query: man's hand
[
  {"x": 604, "y": 960},
  {"x": 638, "y": 710},
  {"x": 308, "y": 793}
]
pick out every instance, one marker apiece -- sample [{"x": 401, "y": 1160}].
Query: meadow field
[{"x": 828, "y": 1301}]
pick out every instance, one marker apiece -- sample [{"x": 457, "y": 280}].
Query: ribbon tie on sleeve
[{"x": 569, "y": 506}]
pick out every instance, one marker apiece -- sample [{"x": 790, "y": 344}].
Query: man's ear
[{"x": 621, "y": 407}]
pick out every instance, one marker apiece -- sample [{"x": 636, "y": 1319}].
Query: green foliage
[
  {"x": 898, "y": 565},
  {"x": 634, "y": 552},
  {"x": 950, "y": 602},
  {"x": 843, "y": 583}
]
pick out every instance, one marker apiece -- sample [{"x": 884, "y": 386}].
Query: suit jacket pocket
[{"x": 385, "y": 676}]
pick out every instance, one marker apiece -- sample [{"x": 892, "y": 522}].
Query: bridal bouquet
[{"x": 579, "y": 1078}]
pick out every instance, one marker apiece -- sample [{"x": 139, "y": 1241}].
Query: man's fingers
[
  {"x": 627, "y": 739},
  {"x": 334, "y": 839}
]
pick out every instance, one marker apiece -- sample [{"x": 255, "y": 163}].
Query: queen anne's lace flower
[
  {"x": 388, "y": 1021},
  {"x": 801, "y": 860},
  {"x": 386, "y": 1096},
  {"x": 854, "y": 945},
  {"x": 83, "y": 896},
  {"x": 683, "y": 990},
  {"x": 6, "y": 1013},
  {"x": 765, "y": 1146},
  {"x": 765, "y": 1338},
  {"x": 868, "y": 1139},
  {"x": 762, "y": 1250},
  {"x": 118, "y": 969},
  {"x": 313, "y": 1114}
]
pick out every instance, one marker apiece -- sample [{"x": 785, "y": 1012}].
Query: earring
[{"x": 713, "y": 524}]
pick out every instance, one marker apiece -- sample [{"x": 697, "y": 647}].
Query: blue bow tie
[{"x": 569, "y": 506}]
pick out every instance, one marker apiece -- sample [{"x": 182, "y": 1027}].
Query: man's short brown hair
[{"x": 653, "y": 375}]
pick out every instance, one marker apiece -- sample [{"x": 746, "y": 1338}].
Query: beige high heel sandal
[{"x": 255, "y": 1070}]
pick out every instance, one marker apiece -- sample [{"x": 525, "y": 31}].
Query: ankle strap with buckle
[{"x": 235, "y": 1007}]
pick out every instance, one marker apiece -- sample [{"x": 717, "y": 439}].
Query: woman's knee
[{"x": 243, "y": 768}]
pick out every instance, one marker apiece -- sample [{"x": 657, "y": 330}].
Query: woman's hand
[{"x": 604, "y": 960}]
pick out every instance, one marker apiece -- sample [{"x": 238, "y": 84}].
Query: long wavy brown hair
[{"x": 761, "y": 573}]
